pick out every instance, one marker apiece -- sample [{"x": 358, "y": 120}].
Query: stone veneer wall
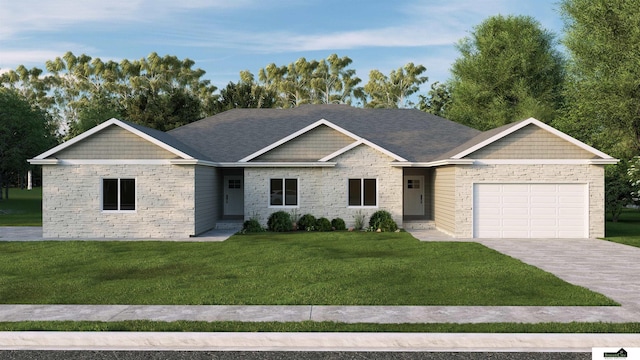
[
  {"x": 323, "y": 191},
  {"x": 72, "y": 202},
  {"x": 467, "y": 175}
]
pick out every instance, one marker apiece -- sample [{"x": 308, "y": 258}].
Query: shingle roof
[
  {"x": 412, "y": 134},
  {"x": 168, "y": 139}
]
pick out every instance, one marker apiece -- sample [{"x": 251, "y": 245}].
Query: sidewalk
[{"x": 296, "y": 313}]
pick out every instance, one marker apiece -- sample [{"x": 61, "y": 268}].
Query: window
[
  {"x": 235, "y": 184},
  {"x": 118, "y": 194},
  {"x": 284, "y": 192},
  {"x": 363, "y": 192}
]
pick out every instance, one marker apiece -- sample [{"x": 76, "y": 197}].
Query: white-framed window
[
  {"x": 118, "y": 194},
  {"x": 283, "y": 192},
  {"x": 363, "y": 192}
]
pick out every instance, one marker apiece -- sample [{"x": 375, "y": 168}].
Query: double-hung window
[
  {"x": 283, "y": 192},
  {"x": 363, "y": 192},
  {"x": 118, "y": 194}
]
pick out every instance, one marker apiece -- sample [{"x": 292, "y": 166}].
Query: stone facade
[
  {"x": 323, "y": 191},
  {"x": 72, "y": 205},
  {"x": 467, "y": 175}
]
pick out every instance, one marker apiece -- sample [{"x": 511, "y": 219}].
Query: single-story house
[{"x": 522, "y": 180}]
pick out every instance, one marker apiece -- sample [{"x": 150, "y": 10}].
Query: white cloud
[{"x": 42, "y": 15}]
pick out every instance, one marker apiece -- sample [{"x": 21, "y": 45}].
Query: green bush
[
  {"x": 382, "y": 220},
  {"x": 279, "y": 221},
  {"x": 252, "y": 226},
  {"x": 323, "y": 224},
  {"x": 307, "y": 222},
  {"x": 338, "y": 224}
]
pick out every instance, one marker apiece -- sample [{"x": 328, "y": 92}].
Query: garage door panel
[
  {"x": 542, "y": 200},
  {"x": 544, "y": 212},
  {"x": 511, "y": 222},
  {"x": 542, "y": 223},
  {"x": 530, "y": 210}
]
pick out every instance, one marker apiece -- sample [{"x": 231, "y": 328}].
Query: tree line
[{"x": 509, "y": 68}]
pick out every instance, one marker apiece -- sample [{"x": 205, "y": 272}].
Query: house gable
[
  {"x": 531, "y": 142},
  {"x": 357, "y": 140},
  {"x": 114, "y": 142},
  {"x": 538, "y": 141},
  {"x": 310, "y": 146}
]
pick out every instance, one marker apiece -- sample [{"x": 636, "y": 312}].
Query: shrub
[
  {"x": 338, "y": 224},
  {"x": 323, "y": 224},
  {"x": 382, "y": 220},
  {"x": 279, "y": 221},
  {"x": 252, "y": 226},
  {"x": 307, "y": 222}
]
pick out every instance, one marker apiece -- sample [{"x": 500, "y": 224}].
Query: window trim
[
  {"x": 119, "y": 198},
  {"x": 362, "y": 193},
  {"x": 284, "y": 189}
]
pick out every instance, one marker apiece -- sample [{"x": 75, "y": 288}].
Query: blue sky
[{"x": 224, "y": 37}]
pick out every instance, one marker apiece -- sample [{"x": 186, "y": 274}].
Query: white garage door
[{"x": 530, "y": 211}]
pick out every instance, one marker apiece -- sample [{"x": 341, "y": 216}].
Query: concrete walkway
[{"x": 34, "y": 233}]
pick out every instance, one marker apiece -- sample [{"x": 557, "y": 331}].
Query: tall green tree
[
  {"x": 25, "y": 131},
  {"x": 509, "y": 69},
  {"x": 334, "y": 83},
  {"x": 157, "y": 91},
  {"x": 393, "y": 91},
  {"x": 603, "y": 90},
  {"x": 245, "y": 95},
  {"x": 326, "y": 81},
  {"x": 437, "y": 100}
]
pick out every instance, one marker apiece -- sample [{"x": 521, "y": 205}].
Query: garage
[{"x": 530, "y": 211}]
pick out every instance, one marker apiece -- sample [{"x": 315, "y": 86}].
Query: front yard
[{"x": 332, "y": 268}]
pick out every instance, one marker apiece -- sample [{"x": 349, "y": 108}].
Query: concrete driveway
[{"x": 606, "y": 267}]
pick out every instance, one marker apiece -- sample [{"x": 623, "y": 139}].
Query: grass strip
[{"x": 310, "y": 326}]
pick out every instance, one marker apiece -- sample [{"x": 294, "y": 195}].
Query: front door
[
  {"x": 233, "y": 195},
  {"x": 414, "y": 195}
]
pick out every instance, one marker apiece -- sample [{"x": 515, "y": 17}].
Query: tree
[
  {"x": 437, "y": 100},
  {"x": 327, "y": 81},
  {"x": 156, "y": 91},
  {"x": 509, "y": 70},
  {"x": 392, "y": 91},
  {"x": 603, "y": 93},
  {"x": 25, "y": 131},
  {"x": 333, "y": 83},
  {"x": 245, "y": 95}
]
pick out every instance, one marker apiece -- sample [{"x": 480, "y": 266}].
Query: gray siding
[
  {"x": 531, "y": 142},
  {"x": 206, "y": 198},
  {"x": 310, "y": 146},
  {"x": 114, "y": 142},
  {"x": 444, "y": 199}
]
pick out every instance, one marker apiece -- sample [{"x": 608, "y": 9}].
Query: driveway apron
[{"x": 606, "y": 267}]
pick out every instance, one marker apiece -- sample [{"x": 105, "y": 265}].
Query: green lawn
[
  {"x": 311, "y": 326},
  {"x": 24, "y": 208},
  {"x": 626, "y": 230},
  {"x": 335, "y": 268}
]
